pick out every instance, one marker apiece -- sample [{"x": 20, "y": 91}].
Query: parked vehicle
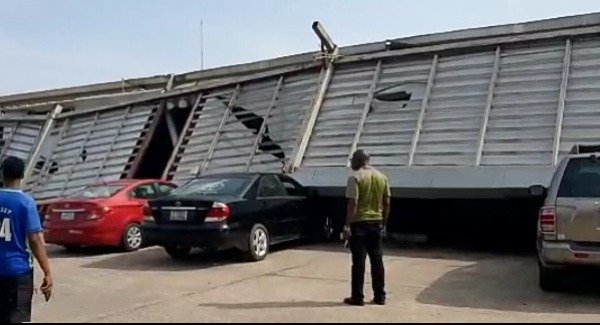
[
  {"x": 246, "y": 211},
  {"x": 106, "y": 214},
  {"x": 569, "y": 222}
]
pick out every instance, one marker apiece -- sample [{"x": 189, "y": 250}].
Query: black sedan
[{"x": 246, "y": 211}]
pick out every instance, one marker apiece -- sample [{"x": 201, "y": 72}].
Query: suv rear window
[{"x": 581, "y": 178}]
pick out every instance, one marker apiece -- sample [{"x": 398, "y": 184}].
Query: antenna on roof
[{"x": 201, "y": 45}]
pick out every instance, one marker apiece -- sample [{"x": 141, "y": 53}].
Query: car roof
[
  {"x": 130, "y": 181},
  {"x": 240, "y": 174}
]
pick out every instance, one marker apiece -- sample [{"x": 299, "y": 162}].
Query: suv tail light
[
  {"x": 548, "y": 220},
  {"x": 219, "y": 212}
]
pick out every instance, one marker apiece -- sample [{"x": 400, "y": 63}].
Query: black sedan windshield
[{"x": 233, "y": 186}]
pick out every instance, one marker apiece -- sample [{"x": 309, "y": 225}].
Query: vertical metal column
[
  {"x": 488, "y": 106},
  {"x": 215, "y": 140},
  {"x": 561, "y": 101},
  {"x": 366, "y": 109},
  {"x": 424, "y": 105},
  {"x": 263, "y": 127}
]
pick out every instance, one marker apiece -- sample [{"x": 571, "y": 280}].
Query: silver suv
[{"x": 569, "y": 221}]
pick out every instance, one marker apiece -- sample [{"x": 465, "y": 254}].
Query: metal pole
[
  {"x": 488, "y": 106},
  {"x": 561, "y": 101},
  {"x": 366, "y": 109},
  {"x": 424, "y": 105},
  {"x": 38, "y": 147},
  {"x": 263, "y": 126}
]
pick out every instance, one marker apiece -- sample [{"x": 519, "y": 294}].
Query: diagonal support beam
[
  {"x": 562, "y": 96},
  {"x": 424, "y": 106},
  {"x": 215, "y": 140},
  {"x": 263, "y": 127},
  {"x": 46, "y": 130},
  {"x": 488, "y": 106},
  {"x": 185, "y": 130},
  {"x": 366, "y": 109}
]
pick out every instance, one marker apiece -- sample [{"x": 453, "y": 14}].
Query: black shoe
[
  {"x": 380, "y": 302},
  {"x": 353, "y": 302}
]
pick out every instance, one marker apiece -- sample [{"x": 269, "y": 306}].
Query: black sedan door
[{"x": 277, "y": 207}]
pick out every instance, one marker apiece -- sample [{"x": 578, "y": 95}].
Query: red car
[{"x": 104, "y": 214}]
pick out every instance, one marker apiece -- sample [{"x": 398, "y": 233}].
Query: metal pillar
[
  {"x": 561, "y": 101},
  {"x": 488, "y": 106},
  {"x": 424, "y": 105}
]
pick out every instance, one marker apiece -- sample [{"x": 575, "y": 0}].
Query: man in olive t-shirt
[{"x": 368, "y": 194}]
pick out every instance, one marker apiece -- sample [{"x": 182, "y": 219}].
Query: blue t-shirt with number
[{"x": 18, "y": 218}]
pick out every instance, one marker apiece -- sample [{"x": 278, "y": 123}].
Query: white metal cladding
[
  {"x": 20, "y": 139},
  {"x": 94, "y": 147},
  {"x": 389, "y": 127},
  {"x": 199, "y": 135},
  {"x": 339, "y": 116},
  {"x": 582, "y": 108},
  {"x": 286, "y": 119},
  {"x": 523, "y": 115},
  {"x": 454, "y": 111}
]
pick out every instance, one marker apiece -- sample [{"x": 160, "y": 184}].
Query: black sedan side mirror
[{"x": 537, "y": 191}]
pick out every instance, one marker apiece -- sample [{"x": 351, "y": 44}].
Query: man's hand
[
  {"x": 347, "y": 232},
  {"x": 46, "y": 287}
]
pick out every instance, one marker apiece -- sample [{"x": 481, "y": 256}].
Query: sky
[{"x": 47, "y": 44}]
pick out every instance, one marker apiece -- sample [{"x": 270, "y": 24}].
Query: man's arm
[
  {"x": 36, "y": 243},
  {"x": 386, "y": 203},
  {"x": 352, "y": 196}
]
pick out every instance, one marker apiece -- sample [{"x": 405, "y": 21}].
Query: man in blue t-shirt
[{"x": 20, "y": 235}]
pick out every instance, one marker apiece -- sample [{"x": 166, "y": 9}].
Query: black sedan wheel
[{"x": 258, "y": 243}]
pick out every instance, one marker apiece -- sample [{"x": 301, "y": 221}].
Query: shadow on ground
[
  {"x": 270, "y": 305},
  {"x": 510, "y": 284},
  {"x": 156, "y": 259},
  {"x": 60, "y": 252}
]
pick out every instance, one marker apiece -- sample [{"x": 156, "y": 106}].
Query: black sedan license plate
[{"x": 179, "y": 215}]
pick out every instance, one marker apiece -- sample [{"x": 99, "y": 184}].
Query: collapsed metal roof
[{"x": 481, "y": 109}]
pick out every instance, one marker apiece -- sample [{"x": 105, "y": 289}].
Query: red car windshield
[{"x": 97, "y": 191}]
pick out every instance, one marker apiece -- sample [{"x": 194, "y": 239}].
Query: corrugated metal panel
[
  {"x": 20, "y": 139},
  {"x": 523, "y": 116},
  {"x": 94, "y": 147},
  {"x": 199, "y": 135},
  {"x": 286, "y": 120},
  {"x": 455, "y": 109},
  {"x": 389, "y": 127},
  {"x": 582, "y": 107},
  {"x": 235, "y": 143},
  {"x": 338, "y": 118}
]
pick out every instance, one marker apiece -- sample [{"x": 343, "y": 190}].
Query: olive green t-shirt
[{"x": 368, "y": 186}]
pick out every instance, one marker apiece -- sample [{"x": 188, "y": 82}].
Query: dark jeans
[
  {"x": 365, "y": 239},
  {"x": 15, "y": 299}
]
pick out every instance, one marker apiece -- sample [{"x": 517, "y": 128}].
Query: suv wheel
[
  {"x": 178, "y": 253},
  {"x": 549, "y": 279},
  {"x": 258, "y": 243}
]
